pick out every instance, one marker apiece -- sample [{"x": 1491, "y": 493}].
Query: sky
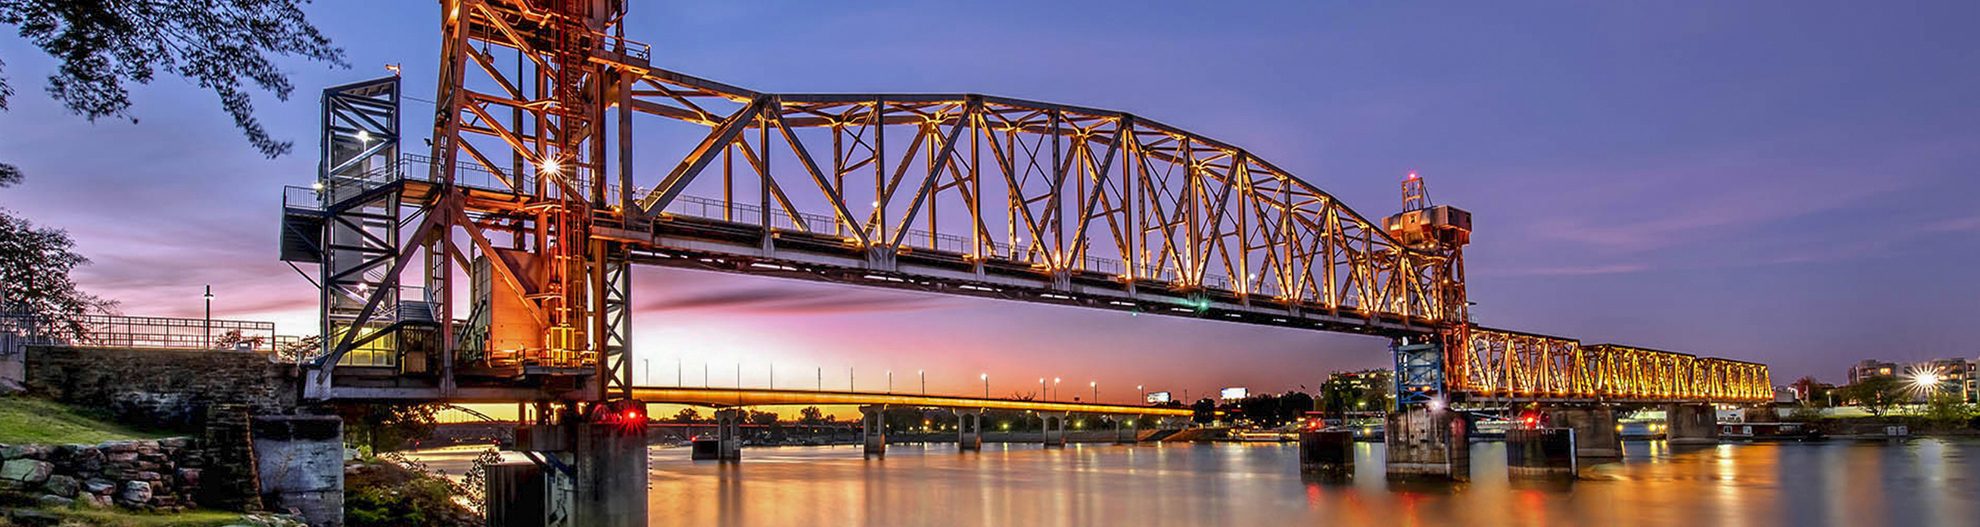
[{"x": 1787, "y": 182}]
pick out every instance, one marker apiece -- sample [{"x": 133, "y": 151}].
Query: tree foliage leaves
[
  {"x": 223, "y": 46},
  {"x": 35, "y": 263}
]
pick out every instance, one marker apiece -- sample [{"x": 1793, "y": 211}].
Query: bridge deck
[{"x": 763, "y": 397}]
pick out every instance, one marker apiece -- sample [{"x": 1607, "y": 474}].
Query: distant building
[
  {"x": 1357, "y": 391},
  {"x": 1871, "y": 368}
]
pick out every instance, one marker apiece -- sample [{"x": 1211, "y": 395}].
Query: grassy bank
[
  {"x": 32, "y": 420},
  {"x": 119, "y": 518}
]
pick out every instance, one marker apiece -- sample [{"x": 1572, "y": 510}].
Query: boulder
[
  {"x": 28, "y": 471},
  {"x": 55, "y": 502},
  {"x": 135, "y": 493},
  {"x": 63, "y": 486},
  {"x": 100, "y": 486}
]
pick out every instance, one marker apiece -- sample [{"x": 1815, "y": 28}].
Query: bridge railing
[{"x": 113, "y": 331}]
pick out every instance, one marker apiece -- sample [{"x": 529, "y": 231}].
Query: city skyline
[{"x": 1737, "y": 208}]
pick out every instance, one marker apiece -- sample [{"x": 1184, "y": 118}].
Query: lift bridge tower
[
  {"x": 1441, "y": 231},
  {"x": 475, "y": 273}
]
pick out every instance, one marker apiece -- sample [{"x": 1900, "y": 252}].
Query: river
[{"x": 1917, "y": 482}]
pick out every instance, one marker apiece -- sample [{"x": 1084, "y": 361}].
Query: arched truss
[
  {"x": 1509, "y": 365},
  {"x": 1070, "y": 196}
]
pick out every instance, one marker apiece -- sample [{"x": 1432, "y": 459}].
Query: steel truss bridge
[{"x": 498, "y": 267}]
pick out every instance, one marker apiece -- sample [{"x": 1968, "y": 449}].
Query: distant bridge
[{"x": 732, "y": 397}]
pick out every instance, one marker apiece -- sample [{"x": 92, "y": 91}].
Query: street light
[
  {"x": 923, "y": 374},
  {"x": 1055, "y": 387},
  {"x": 1041, "y": 390},
  {"x": 1095, "y": 385},
  {"x": 890, "y": 381},
  {"x": 986, "y": 385},
  {"x": 1143, "y": 391},
  {"x": 208, "y": 328}
]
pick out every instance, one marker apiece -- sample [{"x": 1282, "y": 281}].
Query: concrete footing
[
  {"x": 969, "y": 429},
  {"x": 299, "y": 460},
  {"x": 610, "y": 466},
  {"x": 873, "y": 429},
  {"x": 1328, "y": 452},
  {"x": 728, "y": 433},
  {"x": 1055, "y": 428},
  {"x": 1425, "y": 443},
  {"x": 1596, "y": 436},
  {"x": 1691, "y": 424},
  {"x": 1541, "y": 453}
]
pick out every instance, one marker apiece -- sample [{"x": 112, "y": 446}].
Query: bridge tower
[{"x": 1425, "y": 436}]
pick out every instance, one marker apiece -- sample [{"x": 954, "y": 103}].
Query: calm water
[{"x": 1920, "y": 482}]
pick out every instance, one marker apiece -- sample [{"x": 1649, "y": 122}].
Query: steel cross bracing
[{"x": 536, "y": 195}]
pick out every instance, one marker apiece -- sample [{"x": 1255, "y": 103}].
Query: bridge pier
[
  {"x": 1125, "y": 431},
  {"x": 1595, "y": 435},
  {"x": 1541, "y": 453},
  {"x": 1328, "y": 452},
  {"x": 1427, "y": 443},
  {"x": 728, "y": 434},
  {"x": 873, "y": 429},
  {"x": 592, "y": 468},
  {"x": 969, "y": 429},
  {"x": 1691, "y": 424},
  {"x": 1054, "y": 429}
]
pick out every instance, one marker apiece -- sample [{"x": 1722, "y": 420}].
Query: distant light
[
  {"x": 363, "y": 136},
  {"x": 1412, "y": 174},
  {"x": 551, "y": 166},
  {"x": 318, "y": 186}
]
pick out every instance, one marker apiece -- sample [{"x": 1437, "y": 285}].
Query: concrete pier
[
  {"x": 300, "y": 463},
  {"x": 610, "y": 466},
  {"x": 1596, "y": 438},
  {"x": 1426, "y": 443},
  {"x": 1691, "y": 424},
  {"x": 1327, "y": 452},
  {"x": 514, "y": 494},
  {"x": 728, "y": 434},
  {"x": 873, "y": 429},
  {"x": 969, "y": 429},
  {"x": 1125, "y": 430},
  {"x": 1541, "y": 453},
  {"x": 1055, "y": 428}
]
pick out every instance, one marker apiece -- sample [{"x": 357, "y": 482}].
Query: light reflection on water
[{"x": 1920, "y": 482}]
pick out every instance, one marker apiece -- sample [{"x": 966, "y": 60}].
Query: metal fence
[{"x": 114, "y": 331}]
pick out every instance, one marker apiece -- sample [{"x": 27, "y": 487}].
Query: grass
[
  {"x": 32, "y": 420},
  {"x": 122, "y": 518}
]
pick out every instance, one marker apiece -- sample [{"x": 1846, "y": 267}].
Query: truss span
[
  {"x": 1509, "y": 365},
  {"x": 1004, "y": 197}
]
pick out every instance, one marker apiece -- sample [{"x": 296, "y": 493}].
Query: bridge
[{"x": 498, "y": 265}]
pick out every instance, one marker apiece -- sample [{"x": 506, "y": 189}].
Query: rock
[
  {"x": 189, "y": 477},
  {"x": 63, "y": 486},
  {"x": 146, "y": 475},
  {"x": 120, "y": 457},
  {"x": 118, "y": 446},
  {"x": 175, "y": 442},
  {"x": 99, "y": 486},
  {"x": 13, "y": 452},
  {"x": 52, "y": 501},
  {"x": 28, "y": 471},
  {"x": 135, "y": 493},
  {"x": 96, "y": 501}
]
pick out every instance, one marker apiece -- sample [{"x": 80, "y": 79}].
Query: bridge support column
[
  {"x": 1055, "y": 428},
  {"x": 1327, "y": 452},
  {"x": 873, "y": 428},
  {"x": 1541, "y": 453},
  {"x": 1595, "y": 435},
  {"x": 1427, "y": 443},
  {"x": 969, "y": 429},
  {"x": 1125, "y": 430},
  {"x": 611, "y": 466},
  {"x": 1691, "y": 424},
  {"x": 728, "y": 434}
]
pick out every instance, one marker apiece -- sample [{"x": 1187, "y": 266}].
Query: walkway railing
[{"x": 115, "y": 331}]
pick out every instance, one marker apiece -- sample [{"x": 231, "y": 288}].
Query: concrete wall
[{"x": 300, "y": 464}]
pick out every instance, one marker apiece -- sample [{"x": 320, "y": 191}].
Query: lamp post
[
  {"x": 1143, "y": 392},
  {"x": 923, "y": 374},
  {"x": 207, "y": 329},
  {"x": 1041, "y": 390},
  {"x": 1055, "y": 388},
  {"x": 1095, "y": 385},
  {"x": 986, "y": 385},
  {"x": 890, "y": 381}
]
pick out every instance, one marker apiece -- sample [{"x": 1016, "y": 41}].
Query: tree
[
  {"x": 1875, "y": 394},
  {"x": 687, "y": 415},
  {"x": 35, "y": 263},
  {"x": 811, "y": 415},
  {"x": 762, "y": 418},
  {"x": 387, "y": 427},
  {"x": 223, "y": 46},
  {"x": 1947, "y": 408}
]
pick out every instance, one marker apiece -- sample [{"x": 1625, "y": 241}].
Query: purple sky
[{"x": 1789, "y": 182}]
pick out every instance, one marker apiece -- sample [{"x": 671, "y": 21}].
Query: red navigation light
[
  {"x": 1412, "y": 174},
  {"x": 632, "y": 415}
]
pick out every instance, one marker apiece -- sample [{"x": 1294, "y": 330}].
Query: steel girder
[{"x": 1501, "y": 364}]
